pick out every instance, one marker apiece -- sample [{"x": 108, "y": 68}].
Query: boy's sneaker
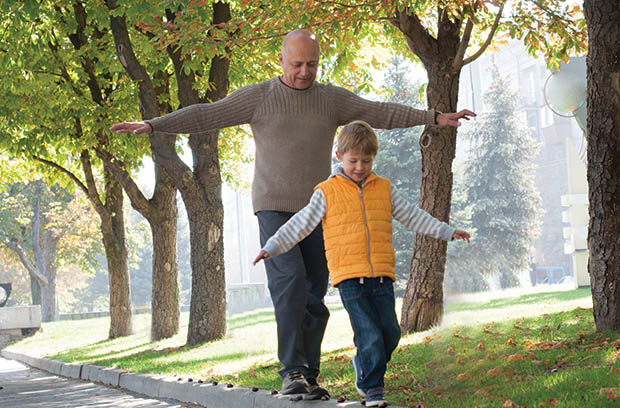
[
  {"x": 294, "y": 383},
  {"x": 357, "y": 368},
  {"x": 375, "y": 398}
]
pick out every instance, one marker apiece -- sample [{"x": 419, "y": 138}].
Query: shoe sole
[
  {"x": 382, "y": 403},
  {"x": 297, "y": 390}
]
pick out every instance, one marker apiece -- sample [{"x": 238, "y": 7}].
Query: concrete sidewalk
[
  {"x": 22, "y": 387},
  {"x": 82, "y": 384}
]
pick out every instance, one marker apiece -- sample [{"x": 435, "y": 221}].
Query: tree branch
[
  {"x": 129, "y": 61},
  {"x": 14, "y": 245},
  {"x": 63, "y": 170},
  {"x": 488, "y": 40},
  {"x": 92, "y": 192},
  {"x": 118, "y": 169},
  {"x": 458, "y": 58}
]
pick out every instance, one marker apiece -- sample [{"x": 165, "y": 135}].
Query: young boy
[{"x": 356, "y": 208}]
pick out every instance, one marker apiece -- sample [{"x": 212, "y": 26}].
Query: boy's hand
[
  {"x": 460, "y": 234},
  {"x": 261, "y": 255},
  {"x": 137, "y": 128}
]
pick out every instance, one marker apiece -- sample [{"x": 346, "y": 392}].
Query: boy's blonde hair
[{"x": 358, "y": 135}]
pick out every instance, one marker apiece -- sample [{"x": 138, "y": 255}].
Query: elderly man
[{"x": 293, "y": 120}]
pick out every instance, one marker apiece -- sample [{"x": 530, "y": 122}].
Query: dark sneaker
[
  {"x": 294, "y": 383},
  {"x": 357, "y": 368},
  {"x": 375, "y": 398}
]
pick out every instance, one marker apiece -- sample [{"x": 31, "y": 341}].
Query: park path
[{"x": 25, "y": 387}]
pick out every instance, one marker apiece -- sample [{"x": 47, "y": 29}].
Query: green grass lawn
[{"x": 515, "y": 350}]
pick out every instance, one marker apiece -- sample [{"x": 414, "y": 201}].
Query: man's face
[{"x": 300, "y": 62}]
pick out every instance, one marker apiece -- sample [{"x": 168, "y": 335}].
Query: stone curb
[{"x": 159, "y": 386}]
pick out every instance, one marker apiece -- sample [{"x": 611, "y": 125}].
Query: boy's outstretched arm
[{"x": 460, "y": 234}]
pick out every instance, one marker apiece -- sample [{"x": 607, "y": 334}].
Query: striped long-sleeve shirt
[{"x": 308, "y": 218}]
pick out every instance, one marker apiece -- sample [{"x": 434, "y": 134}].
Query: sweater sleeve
[
  {"x": 235, "y": 109},
  {"x": 380, "y": 115},
  {"x": 418, "y": 220},
  {"x": 298, "y": 227}
]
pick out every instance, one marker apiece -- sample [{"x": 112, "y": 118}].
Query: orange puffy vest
[{"x": 357, "y": 228}]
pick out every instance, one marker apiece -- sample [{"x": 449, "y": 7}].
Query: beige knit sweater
[{"x": 293, "y": 130}]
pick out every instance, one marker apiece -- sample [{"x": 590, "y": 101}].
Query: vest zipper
[{"x": 372, "y": 273}]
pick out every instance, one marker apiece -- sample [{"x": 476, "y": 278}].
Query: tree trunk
[
  {"x": 161, "y": 210},
  {"x": 49, "y": 293},
  {"x": 423, "y": 301},
  {"x": 206, "y": 220},
  {"x": 165, "y": 292},
  {"x": 201, "y": 190},
  {"x": 603, "y": 79},
  {"x": 35, "y": 290},
  {"x": 114, "y": 241}
]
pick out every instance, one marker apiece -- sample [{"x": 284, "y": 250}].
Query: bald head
[
  {"x": 299, "y": 59},
  {"x": 301, "y": 37}
]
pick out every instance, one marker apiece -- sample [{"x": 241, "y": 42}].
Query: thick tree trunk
[
  {"x": 603, "y": 137},
  {"x": 161, "y": 210},
  {"x": 423, "y": 301},
  {"x": 200, "y": 188},
  {"x": 114, "y": 241},
  {"x": 206, "y": 220},
  {"x": 441, "y": 56},
  {"x": 165, "y": 292}
]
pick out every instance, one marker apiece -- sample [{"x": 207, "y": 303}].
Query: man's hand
[
  {"x": 137, "y": 128},
  {"x": 261, "y": 255},
  {"x": 452, "y": 119},
  {"x": 460, "y": 234}
]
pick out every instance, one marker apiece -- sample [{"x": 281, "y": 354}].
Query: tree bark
[
  {"x": 49, "y": 293},
  {"x": 423, "y": 300},
  {"x": 603, "y": 168},
  {"x": 114, "y": 241}
]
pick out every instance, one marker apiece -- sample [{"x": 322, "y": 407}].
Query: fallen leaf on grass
[
  {"x": 516, "y": 357},
  {"x": 506, "y": 403},
  {"x": 549, "y": 403},
  {"x": 494, "y": 371},
  {"x": 610, "y": 393},
  {"x": 510, "y": 342},
  {"x": 462, "y": 377}
]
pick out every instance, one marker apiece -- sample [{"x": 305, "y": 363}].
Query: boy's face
[{"x": 357, "y": 165}]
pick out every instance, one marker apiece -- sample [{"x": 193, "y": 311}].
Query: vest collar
[{"x": 339, "y": 171}]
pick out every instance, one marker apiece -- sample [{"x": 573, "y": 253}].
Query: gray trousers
[{"x": 297, "y": 282}]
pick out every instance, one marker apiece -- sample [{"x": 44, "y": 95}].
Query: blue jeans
[{"x": 375, "y": 328}]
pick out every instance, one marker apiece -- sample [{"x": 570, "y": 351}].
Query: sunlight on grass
[{"x": 528, "y": 347}]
